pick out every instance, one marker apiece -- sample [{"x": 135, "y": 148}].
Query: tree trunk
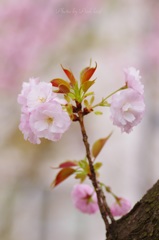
[{"x": 142, "y": 222}]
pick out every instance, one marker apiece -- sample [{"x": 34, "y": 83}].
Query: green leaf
[
  {"x": 86, "y": 85},
  {"x": 92, "y": 100},
  {"x": 98, "y": 113},
  {"x": 86, "y": 103},
  {"x": 78, "y": 93},
  {"x": 67, "y": 98},
  {"x": 96, "y": 168},
  {"x": 82, "y": 176},
  {"x": 62, "y": 175},
  {"x": 71, "y": 95},
  {"x": 97, "y": 165},
  {"x": 84, "y": 170},
  {"x": 83, "y": 164},
  {"x": 98, "y": 145},
  {"x": 88, "y": 94}
]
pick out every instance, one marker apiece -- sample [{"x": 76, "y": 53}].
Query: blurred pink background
[{"x": 38, "y": 36}]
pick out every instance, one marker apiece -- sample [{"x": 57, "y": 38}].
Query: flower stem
[
  {"x": 103, "y": 206},
  {"x": 106, "y": 104},
  {"x": 122, "y": 88}
]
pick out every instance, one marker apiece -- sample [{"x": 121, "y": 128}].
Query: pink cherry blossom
[
  {"x": 132, "y": 79},
  {"x": 49, "y": 121},
  {"x": 25, "y": 128},
  {"x": 120, "y": 207},
  {"x": 84, "y": 198},
  {"x": 127, "y": 109},
  {"x": 42, "y": 114}
]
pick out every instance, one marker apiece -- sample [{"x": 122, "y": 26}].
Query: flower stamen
[{"x": 49, "y": 120}]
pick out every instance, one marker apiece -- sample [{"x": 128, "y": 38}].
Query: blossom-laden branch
[{"x": 45, "y": 115}]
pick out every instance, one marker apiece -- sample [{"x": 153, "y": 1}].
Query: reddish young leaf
[
  {"x": 63, "y": 89},
  {"x": 63, "y": 86},
  {"x": 62, "y": 175},
  {"x": 83, "y": 72},
  {"x": 98, "y": 145},
  {"x": 70, "y": 75},
  {"x": 56, "y": 82},
  {"x": 87, "y": 73},
  {"x": 67, "y": 164}
]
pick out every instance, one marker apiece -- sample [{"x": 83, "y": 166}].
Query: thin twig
[{"x": 104, "y": 209}]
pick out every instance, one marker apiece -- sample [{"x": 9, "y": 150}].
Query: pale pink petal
[
  {"x": 132, "y": 79},
  {"x": 40, "y": 94},
  {"x": 25, "y": 128},
  {"x": 26, "y": 88}
]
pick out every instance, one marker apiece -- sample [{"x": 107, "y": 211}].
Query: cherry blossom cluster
[
  {"x": 127, "y": 105},
  {"x": 42, "y": 114}
]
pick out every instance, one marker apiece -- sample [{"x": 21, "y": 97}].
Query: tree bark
[{"x": 142, "y": 222}]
